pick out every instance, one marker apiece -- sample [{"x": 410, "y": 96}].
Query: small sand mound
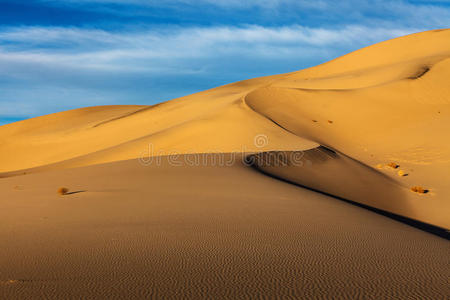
[
  {"x": 63, "y": 191},
  {"x": 419, "y": 189},
  {"x": 402, "y": 173},
  {"x": 393, "y": 165}
]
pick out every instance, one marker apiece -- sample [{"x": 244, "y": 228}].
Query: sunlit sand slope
[
  {"x": 213, "y": 121},
  {"x": 387, "y": 107},
  {"x": 384, "y": 110},
  {"x": 174, "y": 231}
]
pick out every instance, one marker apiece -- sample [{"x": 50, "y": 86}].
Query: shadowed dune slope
[{"x": 384, "y": 109}]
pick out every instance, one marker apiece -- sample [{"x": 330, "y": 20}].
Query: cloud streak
[
  {"x": 49, "y": 69},
  {"x": 326, "y": 12}
]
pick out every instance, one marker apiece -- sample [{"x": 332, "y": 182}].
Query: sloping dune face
[
  {"x": 214, "y": 121},
  {"x": 383, "y": 111},
  {"x": 386, "y": 107}
]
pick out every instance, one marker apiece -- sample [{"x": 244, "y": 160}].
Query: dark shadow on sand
[
  {"x": 74, "y": 192},
  {"x": 439, "y": 231}
]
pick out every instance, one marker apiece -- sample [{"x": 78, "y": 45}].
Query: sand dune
[
  {"x": 378, "y": 105},
  {"x": 371, "y": 127},
  {"x": 213, "y": 121}
]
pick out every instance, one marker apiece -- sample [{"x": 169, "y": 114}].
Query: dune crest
[{"x": 389, "y": 102}]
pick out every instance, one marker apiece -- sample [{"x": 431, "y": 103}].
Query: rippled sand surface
[{"x": 203, "y": 232}]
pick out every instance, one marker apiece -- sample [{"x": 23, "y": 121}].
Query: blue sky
[{"x": 63, "y": 54}]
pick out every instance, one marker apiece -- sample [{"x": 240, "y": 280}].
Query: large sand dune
[
  {"x": 388, "y": 103},
  {"x": 371, "y": 127}
]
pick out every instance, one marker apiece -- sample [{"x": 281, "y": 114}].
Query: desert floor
[{"x": 174, "y": 229}]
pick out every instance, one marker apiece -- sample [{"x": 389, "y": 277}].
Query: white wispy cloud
[
  {"x": 46, "y": 69},
  {"x": 431, "y": 12},
  {"x": 28, "y": 42}
]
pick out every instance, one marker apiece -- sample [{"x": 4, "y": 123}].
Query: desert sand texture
[{"x": 174, "y": 229}]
